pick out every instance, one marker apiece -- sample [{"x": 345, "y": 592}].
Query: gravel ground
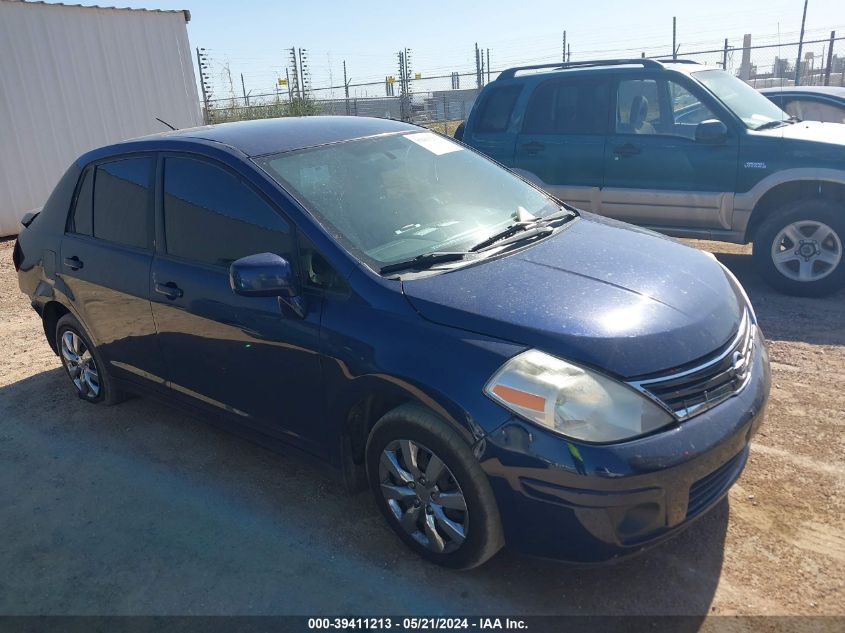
[{"x": 141, "y": 509}]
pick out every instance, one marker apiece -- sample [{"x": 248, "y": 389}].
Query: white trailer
[{"x": 73, "y": 78}]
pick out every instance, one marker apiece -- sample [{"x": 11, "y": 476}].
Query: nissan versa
[{"x": 500, "y": 368}]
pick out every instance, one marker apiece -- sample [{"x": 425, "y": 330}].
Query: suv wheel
[
  {"x": 83, "y": 363},
  {"x": 798, "y": 249},
  {"x": 431, "y": 489}
]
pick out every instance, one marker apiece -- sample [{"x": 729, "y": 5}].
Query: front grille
[
  {"x": 711, "y": 487},
  {"x": 688, "y": 392}
]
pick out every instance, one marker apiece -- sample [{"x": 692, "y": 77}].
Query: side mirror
[
  {"x": 267, "y": 275},
  {"x": 262, "y": 275},
  {"x": 711, "y": 131}
]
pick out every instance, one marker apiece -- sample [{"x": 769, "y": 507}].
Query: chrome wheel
[
  {"x": 80, "y": 365},
  {"x": 806, "y": 250},
  {"x": 424, "y": 496}
]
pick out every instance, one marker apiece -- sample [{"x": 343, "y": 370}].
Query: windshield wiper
[
  {"x": 424, "y": 261},
  {"x": 526, "y": 234},
  {"x": 771, "y": 124},
  {"x": 519, "y": 228}
]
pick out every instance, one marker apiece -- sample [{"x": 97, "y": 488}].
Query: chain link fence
[{"x": 442, "y": 102}]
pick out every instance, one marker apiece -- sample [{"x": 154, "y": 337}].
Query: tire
[
  {"x": 91, "y": 381},
  {"x": 818, "y": 227},
  {"x": 461, "y": 480}
]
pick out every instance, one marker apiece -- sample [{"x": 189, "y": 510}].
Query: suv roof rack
[
  {"x": 677, "y": 61},
  {"x": 640, "y": 61}
]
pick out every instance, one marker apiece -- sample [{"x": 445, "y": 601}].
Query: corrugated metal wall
[{"x": 75, "y": 78}]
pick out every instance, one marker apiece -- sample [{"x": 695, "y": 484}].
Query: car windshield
[
  {"x": 394, "y": 197},
  {"x": 753, "y": 108}
]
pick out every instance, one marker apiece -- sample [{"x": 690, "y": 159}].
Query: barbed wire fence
[{"x": 442, "y": 101}]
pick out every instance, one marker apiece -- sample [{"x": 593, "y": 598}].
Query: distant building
[{"x": 74, "y": 78}]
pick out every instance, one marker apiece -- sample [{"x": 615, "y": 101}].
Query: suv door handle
[
  {"x": 74, "y": 263},
  {"x": 533, "y": 147},
  {"x": 627, "y": 150},
  {"x": 169, "y": 290}
]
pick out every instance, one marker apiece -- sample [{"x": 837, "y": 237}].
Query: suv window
[
  {"x": 568, "y": 106},
  {"x": 641, "y": 108},
  {"x": 82, "y": 220},
  {"x": 212, "y": 217},
  {"x": 122, "y": 201},
  {"x": 495, "y": 112}
]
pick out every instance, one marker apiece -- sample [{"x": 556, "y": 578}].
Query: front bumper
[{"x": 587, "y": 503}]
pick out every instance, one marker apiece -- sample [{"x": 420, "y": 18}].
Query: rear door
[
  {"x": 656, "y": 173},
  {"x": 106, "y": 256},
  {"x": 490, "y": 129},
  {"x": 247, "y": 356},
  {"x": 562, "y": 141}
]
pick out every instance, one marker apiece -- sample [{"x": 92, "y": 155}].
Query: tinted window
[
  {"x": 566, "y": 106},
  {"x": 211, "y": 216},
  {"x": 687, "y": 110},
  {"x": 122, "y": 201},
  {"x": 638, "y": 106},
  {"x": 82, "y": 220},
  {"x": 495, "y": 112},
  {"x": 809, "y": 110}
]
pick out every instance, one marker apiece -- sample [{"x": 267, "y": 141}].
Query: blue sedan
[{"x": 498, "y": 367}]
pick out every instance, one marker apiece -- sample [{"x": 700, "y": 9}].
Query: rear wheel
[
  {"x": 798, "y": 249},
  {"x": 431, "y": 489},
  {"x": 83, "y": 363}
]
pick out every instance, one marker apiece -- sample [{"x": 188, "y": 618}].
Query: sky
[{"x": 250, "y": 36}]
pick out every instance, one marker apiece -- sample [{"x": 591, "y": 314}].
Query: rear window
[
  {"x": 82, "y": 220},
  {"x": 122, "y": 201},
  {"x": 568, "y": 106},
  {"x": 495, "y": 112}
]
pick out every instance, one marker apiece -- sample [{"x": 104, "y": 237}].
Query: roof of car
[
  {"x": 830, "y": 91},
  {"x": 604, "y": 65},
  {"x": 268, "y": 136}
]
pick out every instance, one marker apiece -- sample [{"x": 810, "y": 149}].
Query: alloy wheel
[
  {"x": 80, "y": 365},
  {"x": 806, "y": 250},
  {"x": 424, "y": 496}
]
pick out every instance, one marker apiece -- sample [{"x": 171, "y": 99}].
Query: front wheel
[
  {"x": 431, "y": 489},
  {"x": 798, "y": 249}
]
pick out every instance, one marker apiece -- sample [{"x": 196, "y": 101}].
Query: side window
[
  {"x": 568, "y": 106},
  {"x": 495, "y": 112},
  {"x": 687, "y": 110},
  {"x": 638, "y": 106},
  {"x": 122, "y": 201},
  {"x": 212, "y": 217},
  {"x": 807, "y": 110},
  {"x": 317, "y": 272},
  {"x": 82, "y": 220}
]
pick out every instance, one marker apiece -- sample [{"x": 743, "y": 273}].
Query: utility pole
[
  {"x": 564, "y": 47},
  {"x": 568, "y": 53},
  {"x": 488, "y": 65},
  {"x": 800, "y": 46},
  {"x": 674, "y": 38},
  {"x": 243, "y": 87},
  {"x": 829, "y": 59},
  {"x": 725, "y": 56},
  {"x": 294, "y": 87},
  {"x": 346, "y": 87},
  {"x": 477, "y": 68},
  {"x": 287, "y": 76},
  {"x": 202, "y": 63},
  {"x": 304, "y": 81}
]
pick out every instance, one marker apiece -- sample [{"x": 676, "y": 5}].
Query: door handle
[
  {"x": 74, "y": 263},
  {"x": 627, "y": 150},
  {"x": 169, "y": 290},
  {"x": 533, "y": 147}
]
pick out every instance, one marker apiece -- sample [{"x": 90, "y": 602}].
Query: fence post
[
  {"x": 674, "y": 38},
  {"x": 829, "y": 59},
  {"x": 800, "y": 47},
  {"x": 725, "y": 56}
]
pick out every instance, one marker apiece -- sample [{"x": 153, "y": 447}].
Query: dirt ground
[{"x": 142, "y": 509}]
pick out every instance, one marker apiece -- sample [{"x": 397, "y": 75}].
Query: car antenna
[{"x": 167, "y": 124}]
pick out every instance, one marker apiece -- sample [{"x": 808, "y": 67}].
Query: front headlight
[{"x": 573, "y": 401}]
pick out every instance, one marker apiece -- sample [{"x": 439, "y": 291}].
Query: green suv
[{"x": 685, "y": 149}]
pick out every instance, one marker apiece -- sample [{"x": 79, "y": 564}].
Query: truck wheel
[
  {"x": 431, "y": 489},
  {"x": 798, "y": 248}
]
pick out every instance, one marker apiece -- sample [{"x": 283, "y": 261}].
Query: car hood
[
  {"x": 600, "y": 292},
  {"x": 812, "y": 131}
]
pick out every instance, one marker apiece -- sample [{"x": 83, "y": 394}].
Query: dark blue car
[{"x": 500, "y": 368}]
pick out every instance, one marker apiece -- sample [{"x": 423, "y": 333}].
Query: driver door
[{"x": 656, "y": 174}]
